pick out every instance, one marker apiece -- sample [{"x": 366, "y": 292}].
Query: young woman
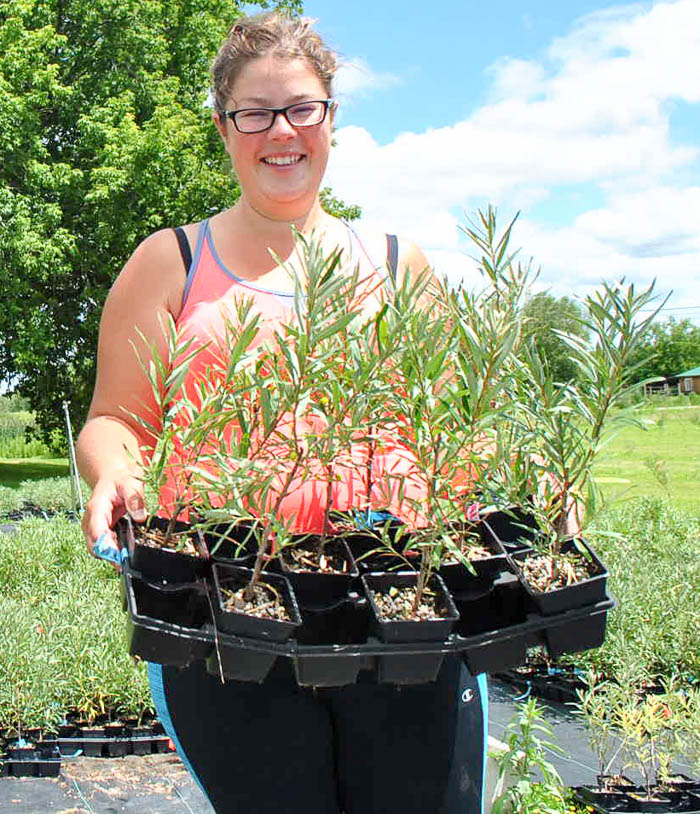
[{"x": 271, "y": 747}]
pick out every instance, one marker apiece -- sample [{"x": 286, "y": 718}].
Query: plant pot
[
  {"x": 248, "y": 625},
  {"x": 175, "y": 638},
  {"x": 586, "y": 592},
  {"x": 315, "y": 589},
  {"x": 459, "y": 578},
  {"x": 577, "y": 636},
  {"x": 513, "y": 528},
  {"x": 334, "y": 670},
  {"x": 617, "y": 782},
  {"x": 238, "y": 663},
  {"x": 163, "y": 563},
  {"x": 497, "y": 654},
  {"x": 232, "y": 658},
  {"x": 680, "y": 782},
  {"x": 490, "y": 606},
  {"x": 235, "y": 544},
  {"x": 415, "y": 667},
  {"x": 372, "y": 556},
  {"x": 658, "y": 803},
  {"x": 601, "y": 799},
  {"x": 344, "y": 623}
]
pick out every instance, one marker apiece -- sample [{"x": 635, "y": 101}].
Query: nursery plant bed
[
  {"x": 112, "y": 741},
  {"x": 159, "y": 562},
  {"x": 616, "y": 801},
  {"x": 552, "y": 684},
  {"x": 41, "y": 759}
]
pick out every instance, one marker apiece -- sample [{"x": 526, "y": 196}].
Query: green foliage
[
  {"x": 334, "y": 206},
  {"x": 14, "y": 443},
  {"x": 670, "y": 348},
  {"x": 104, "y": 139},
  {"x": 13, "y": 403},
  {"x": 10, "y": 500},
  {"x": 528, "y": 740},
  {"x": 63, "y": 636},
  {"x": 546, "y": 318},
  {"x": 51, "y": 494},
  {"x": 652, "y": 551},
  {"x": 559, "y": 428},
  {"x": 632, "y": 728}
]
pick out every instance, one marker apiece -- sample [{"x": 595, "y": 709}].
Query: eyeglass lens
[{"x": 304, "y": 114}]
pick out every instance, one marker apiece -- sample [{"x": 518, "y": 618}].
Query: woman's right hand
[{"x": 114, "y": 495}]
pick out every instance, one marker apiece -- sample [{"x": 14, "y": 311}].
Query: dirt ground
[{"x": 154, "y": 784}]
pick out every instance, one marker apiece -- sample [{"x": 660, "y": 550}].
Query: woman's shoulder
[{"x": 157, "y": 268}]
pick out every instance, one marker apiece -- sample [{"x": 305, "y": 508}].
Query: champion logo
[{"x": 467, "y": 696}]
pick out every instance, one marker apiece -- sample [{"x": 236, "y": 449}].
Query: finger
[{"x": 131, "y": 492}]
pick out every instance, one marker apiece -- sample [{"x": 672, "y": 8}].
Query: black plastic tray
[{"x": 488, "y": 651}]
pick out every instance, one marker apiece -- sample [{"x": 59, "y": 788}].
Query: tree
[
  {"x": 104, "y": 138},
  {"x": 545, "y": 315},
  {"x": 670, "y": 348}
]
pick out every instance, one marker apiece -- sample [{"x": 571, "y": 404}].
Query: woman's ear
[{"x": 220, "y": 122}]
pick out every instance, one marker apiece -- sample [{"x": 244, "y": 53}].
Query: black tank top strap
[{"x": 184, "y": 245}]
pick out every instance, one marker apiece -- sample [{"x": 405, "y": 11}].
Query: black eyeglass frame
[{"x": 328, "y": 104}]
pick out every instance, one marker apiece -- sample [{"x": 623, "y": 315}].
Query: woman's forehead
[{"x": 269, "y": 79}]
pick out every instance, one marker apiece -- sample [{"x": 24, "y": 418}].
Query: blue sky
[{"x": 582, "y": 115}]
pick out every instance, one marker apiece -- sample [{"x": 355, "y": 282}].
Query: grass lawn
[
  {"x": 661, "y": 460},
  {"x": 14, "y": 470}
]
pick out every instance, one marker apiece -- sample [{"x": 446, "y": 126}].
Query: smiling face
[{"x": 279, "y": 170}]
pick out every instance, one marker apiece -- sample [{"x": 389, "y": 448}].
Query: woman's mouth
[{"x": 283, "y": 160}]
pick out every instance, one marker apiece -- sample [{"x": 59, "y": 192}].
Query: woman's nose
[{"x": 281, "y": 128}]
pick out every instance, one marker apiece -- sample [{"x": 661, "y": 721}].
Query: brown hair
[{"x": 254, "y": 37}]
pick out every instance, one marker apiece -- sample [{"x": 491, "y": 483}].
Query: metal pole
[{"x": 75, "y": 478}]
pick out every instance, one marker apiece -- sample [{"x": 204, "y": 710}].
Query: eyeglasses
[{"x": 258, "y": 119}]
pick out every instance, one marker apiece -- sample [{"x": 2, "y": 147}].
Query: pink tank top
[{"x": 209, "y": 299}]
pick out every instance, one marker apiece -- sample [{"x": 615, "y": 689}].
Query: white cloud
[
  {"x": 593, "y": 111},
  {"x": 355, "y": 77}
]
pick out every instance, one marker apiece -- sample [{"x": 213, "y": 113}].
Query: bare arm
[{"x": 109, "y": 446}]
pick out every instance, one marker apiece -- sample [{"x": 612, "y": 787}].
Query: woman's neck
[
  {"x": 276, "y": 232},
  {"x": 249, "y": 240}
]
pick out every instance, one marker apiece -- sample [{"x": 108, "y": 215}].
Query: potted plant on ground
[
  {"x": 645, "y": 732},
  {"x": 597, "y": 704}
]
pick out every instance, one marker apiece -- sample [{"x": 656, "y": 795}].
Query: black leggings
[{"x": 366, "y": 748}]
